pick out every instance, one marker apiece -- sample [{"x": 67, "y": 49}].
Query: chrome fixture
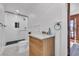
[{"x": 57, "y": 26}]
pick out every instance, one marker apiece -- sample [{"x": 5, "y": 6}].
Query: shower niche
[{"x": 16, "y": 24}]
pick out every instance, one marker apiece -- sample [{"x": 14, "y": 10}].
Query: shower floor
[{"x": 13, "y": 50}]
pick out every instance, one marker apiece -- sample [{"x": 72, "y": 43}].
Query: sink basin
[{"x": 41, "y": 36}]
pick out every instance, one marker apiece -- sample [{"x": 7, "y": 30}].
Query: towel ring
[{"x": 57, "y": 26}]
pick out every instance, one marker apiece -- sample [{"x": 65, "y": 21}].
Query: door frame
[{"x": 68, "y": 17}]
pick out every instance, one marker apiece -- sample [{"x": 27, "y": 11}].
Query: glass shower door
[{"x": 23, "y": 28}]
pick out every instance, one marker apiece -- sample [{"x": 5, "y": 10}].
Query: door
[
  {"x": 72, "y": 29},
  {"x": 75, "y": 19}
]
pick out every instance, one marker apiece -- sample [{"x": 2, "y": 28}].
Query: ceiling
[{"x": 30, "y": 8}]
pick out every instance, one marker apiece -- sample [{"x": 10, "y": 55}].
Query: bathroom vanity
[{"x": 41, "y": 45}]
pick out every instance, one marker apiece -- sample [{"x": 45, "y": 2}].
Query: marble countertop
[{"x": 41, "y": 36}]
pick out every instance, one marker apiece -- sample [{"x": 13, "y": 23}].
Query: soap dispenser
[{"x": 49, "y": 32}]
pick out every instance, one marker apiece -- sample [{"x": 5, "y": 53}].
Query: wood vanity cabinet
[{"x": 41, "y": 47}]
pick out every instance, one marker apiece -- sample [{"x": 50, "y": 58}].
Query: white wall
[{"x": 2, "y": 37}]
